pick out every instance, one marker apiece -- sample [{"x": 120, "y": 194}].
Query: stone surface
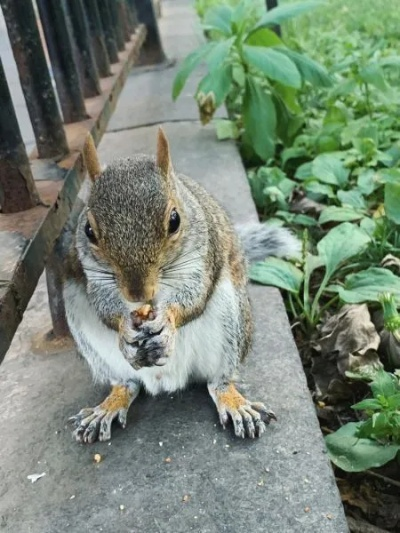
[
  {"x": 233, "y": 485},
  {"x": 213, "y": 482}
]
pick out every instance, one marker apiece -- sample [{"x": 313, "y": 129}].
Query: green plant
[
  {"x": 338, "y": 246},
  {"x": 252, "y": 71},
  {"x": 373, "y": 442}
]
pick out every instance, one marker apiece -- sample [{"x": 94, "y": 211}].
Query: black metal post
[
  {"x": 152, "y": 51},
  {"x": 35, "y": 78},
  {"x": 54, "y": 280},
  {"x": 119, "y": 32},
  {"x": 132, "y": 10},
  {"x": 124, "y": 19},
  {"x": 270, "y": 5},
  {"x": 108, "y": 30},
  {"x": 59, "y": 45},
  {"x": 96, "y": 31},
  {"x": 17, "y": 188},
  {"x": 91, "y": 82}
]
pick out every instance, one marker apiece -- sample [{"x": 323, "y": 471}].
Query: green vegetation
[{"x": 316, "y": 116}]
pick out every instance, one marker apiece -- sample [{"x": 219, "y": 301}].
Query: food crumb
[
  {"x": 97, "y": 458},
  {"x": 186, "y": 498},
  {"x": 168, "y": 460},
  {"x": 329, "y": 516},
  {"x": 307, "y": 509}
]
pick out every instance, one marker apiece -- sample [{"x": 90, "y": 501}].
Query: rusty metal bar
[
  {"x": 108, "y": 30},
  {"x": 17, "y": 188},
  {"x": 91, "y": 82},
  {"x": 124, "y": 19},
  {"x": 35, "y": 78},
  {"x": 98, "y": 42},
  {"x": 59, "y": 45},
  {"x": 54, "y": 280},
  {"x": 119, "y": 33},
  {"x": 152, "y": 51},
  {"x": 132, "y": 11}
]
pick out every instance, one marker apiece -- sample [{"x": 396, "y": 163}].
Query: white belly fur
[{"x": 199, "y": 350}]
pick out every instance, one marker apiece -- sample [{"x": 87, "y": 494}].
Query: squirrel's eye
[
  {"x": 90, "y": 233},
  {"x": 174, "y": 221}
]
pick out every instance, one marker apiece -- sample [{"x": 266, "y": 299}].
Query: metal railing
[{"x": 90, "y": 46}]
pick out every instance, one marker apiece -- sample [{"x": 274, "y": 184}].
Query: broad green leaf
[
  {"x": 188, "y": 65},
  {"x": 392, "y": 202},
  {"x": 315, "y": 187},
  {"x": 394, "y": 402},
  {"x": 278, "y": 273},
  {"x": 374, "y": 75},
  {"x": 337, "y": 114},
  {"x": 216, "y": 57},
  {"x": 218, "y": 83},
  {"x": 368, "y": 225},
  {"x": 292, "y": 153},
  {"x": 259, "y": 119},
  {"x": 300, "y": 220},
  {"x": 368, "y": 285},
  {"x": 304, "y": 171},
  {"x": 384, "y": 384},
  {"x": 219, "y": 18},
  {"x": 263, "y": 37},
  {"x": 289, "y": 96},
  {"x": 352, "y": 198},
  {"x": 329, "y": 169},
  {"x": 226, "y": 129},
  {"x": 273, "y": 64},
  {"x": 312, "y": 263},
  {"x": 368, "y": 404},
  {"x": 341, "y": 243},
  {"x": 310, "y": 70},
  {"x": 388, "y": 175},
  {"x": 333, "y": 213},
  {"x": 367, "y": 182},
  {"x": 281, "y": 13},
  {"x": 353, "y": 454}
]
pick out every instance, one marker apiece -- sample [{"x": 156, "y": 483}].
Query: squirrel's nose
[{"x": 141, "y": 293}]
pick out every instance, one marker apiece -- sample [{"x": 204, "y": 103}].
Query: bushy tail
[{"x": 262, "y": 240}]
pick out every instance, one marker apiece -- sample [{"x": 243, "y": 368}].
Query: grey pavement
[{"x": 173, "y": 469}]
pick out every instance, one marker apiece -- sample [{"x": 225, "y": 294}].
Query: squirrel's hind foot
[
  {"x": 93, "y": 424},
  {"x": 249, "y": 418}
]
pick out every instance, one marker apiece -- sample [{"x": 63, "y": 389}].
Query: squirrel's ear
[
  {"x": 91, "y": 159},
  {"x": 163, "y": 159}
]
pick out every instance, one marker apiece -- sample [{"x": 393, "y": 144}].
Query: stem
[
  {"x": 318, "y": 296},
  {"x": 367, "y": 100},
  {"x": 291, "y": 305},
  {"x": 306, "y": 291},
  {"x": 328, "y": 304}
]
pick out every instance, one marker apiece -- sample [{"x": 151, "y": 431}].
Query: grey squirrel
[{"x": 155, "y": 290}]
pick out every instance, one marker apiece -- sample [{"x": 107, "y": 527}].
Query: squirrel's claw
[
  {"x": 93, "y": 424},
  {"x": 248, "y": 418},
  {"x": 155, "y": 342}
]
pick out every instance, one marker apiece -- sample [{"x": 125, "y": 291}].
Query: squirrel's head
[{"x": 134, "y": 221}]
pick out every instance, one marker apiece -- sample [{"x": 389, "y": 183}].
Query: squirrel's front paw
[
  {"x": 127, "y": 340},
  {"x": 155, "y": 339}
]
